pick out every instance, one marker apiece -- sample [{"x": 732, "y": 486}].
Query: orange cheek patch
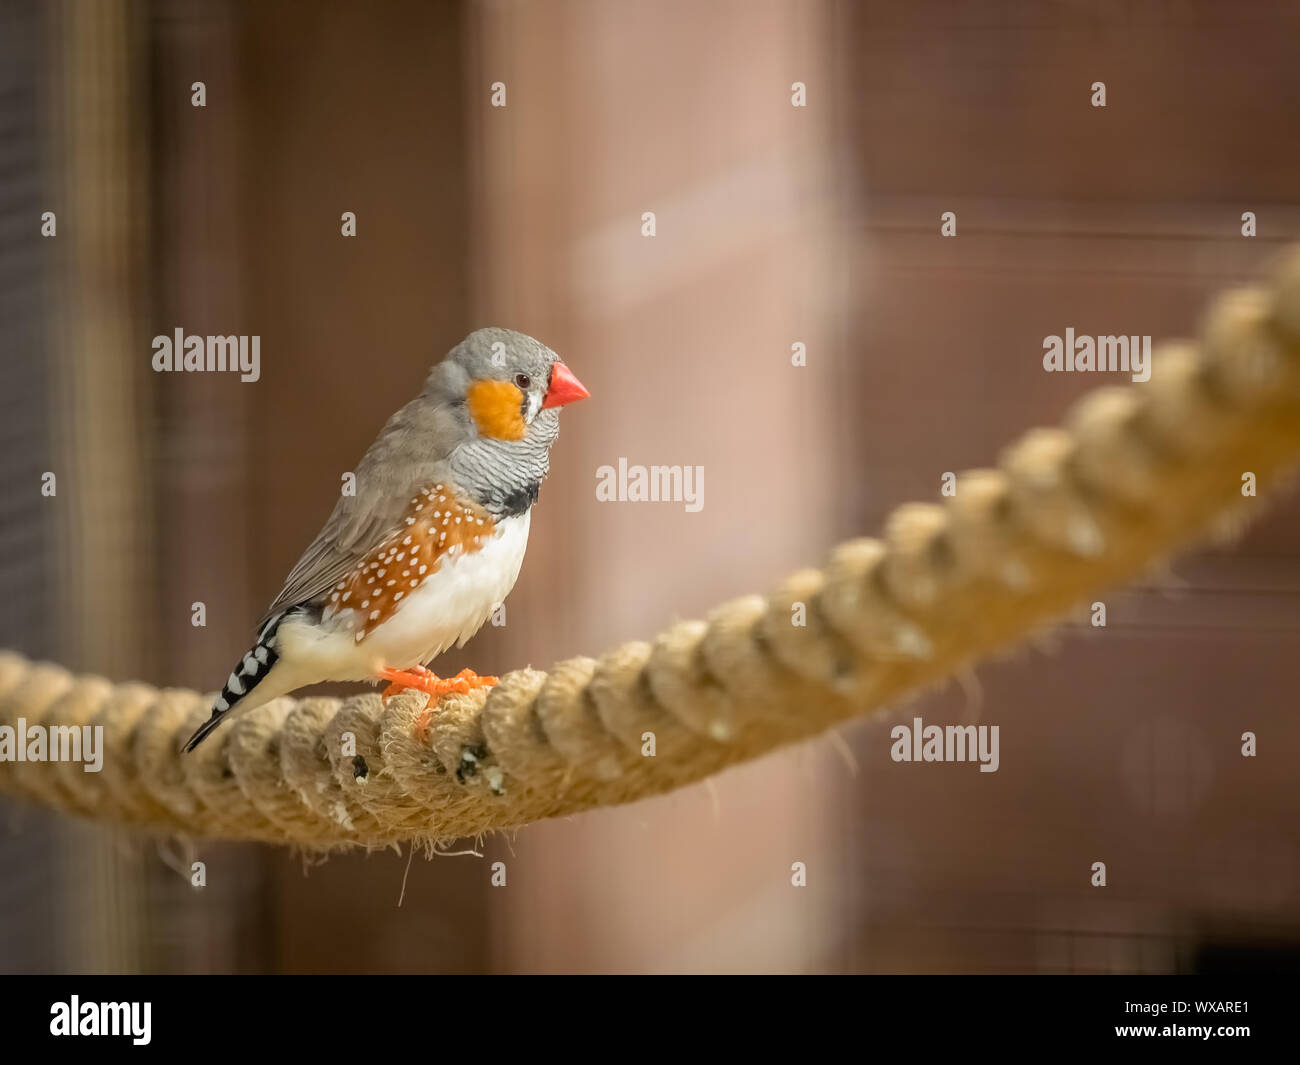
[
  {"x": 437, "y": 526},
  {"x": 495, "y": 407}
]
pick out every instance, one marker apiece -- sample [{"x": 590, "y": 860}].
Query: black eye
[{"x": 523, "y": 380}]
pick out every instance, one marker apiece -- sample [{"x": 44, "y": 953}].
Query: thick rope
[{"x": 1137, "y": 471}]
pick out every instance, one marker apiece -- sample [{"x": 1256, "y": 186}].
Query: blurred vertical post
[
  {"x": 101, "y": 429},
  {"x": 106, "y": 538},
  {"x": 707, "y": 335}
]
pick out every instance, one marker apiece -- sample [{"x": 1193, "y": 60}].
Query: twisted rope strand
[{"x": 1136, "y": 472}]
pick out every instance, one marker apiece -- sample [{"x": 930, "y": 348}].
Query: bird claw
[
  {"x": 417, "y": 678},
  {"x": 473, "y": 680}
]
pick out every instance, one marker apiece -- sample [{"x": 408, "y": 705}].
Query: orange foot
[{"x": 421, "y": 679}]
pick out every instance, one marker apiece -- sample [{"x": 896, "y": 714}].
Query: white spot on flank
[
  {"x": 374, "y": 614},
  {"x": 398, "y": 596}
]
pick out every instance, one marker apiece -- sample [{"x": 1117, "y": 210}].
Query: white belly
[{"x": 447, "y": 608}]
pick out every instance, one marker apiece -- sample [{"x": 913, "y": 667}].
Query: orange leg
[{"x": 419, "y": 678}]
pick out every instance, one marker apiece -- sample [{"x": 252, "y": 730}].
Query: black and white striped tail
[{"x": 255, "y": 665}]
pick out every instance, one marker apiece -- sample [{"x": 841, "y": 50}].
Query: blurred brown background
[{"x": 776, "y": 225}]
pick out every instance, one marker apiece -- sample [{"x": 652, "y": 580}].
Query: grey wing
[
  {"x": 354, "y": 529},
  {"x": 386, "y": 478}
]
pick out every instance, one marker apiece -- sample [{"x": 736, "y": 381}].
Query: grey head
[{"x": 503, "y": 390}]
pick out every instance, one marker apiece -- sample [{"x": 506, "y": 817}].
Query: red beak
[{"x": 565, "y": 388}]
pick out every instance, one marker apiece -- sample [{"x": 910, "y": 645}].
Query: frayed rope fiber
[{"x": 1136, "y": 472}]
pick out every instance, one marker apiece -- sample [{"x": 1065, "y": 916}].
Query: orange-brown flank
[{"x": 437, "y": 525}]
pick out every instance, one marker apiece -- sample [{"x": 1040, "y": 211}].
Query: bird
[{"x": 431, "y": 541}]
